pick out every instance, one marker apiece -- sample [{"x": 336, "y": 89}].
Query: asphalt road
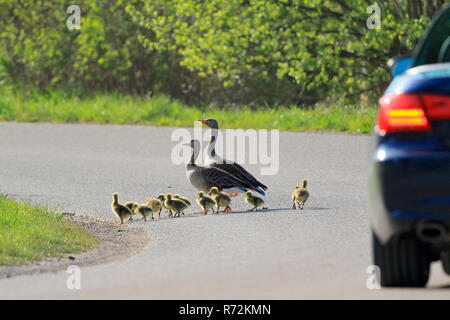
[{"x": 321, "y": 252}]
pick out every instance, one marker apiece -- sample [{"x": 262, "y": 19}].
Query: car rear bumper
[{"x": 410, "y": 183}]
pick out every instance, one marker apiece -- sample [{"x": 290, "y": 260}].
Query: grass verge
[
  {"x": 61, "y": 107},
  {"x": 30, "y": 232}
]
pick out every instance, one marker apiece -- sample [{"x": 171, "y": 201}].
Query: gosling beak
[{"x": 202, "y": 121}]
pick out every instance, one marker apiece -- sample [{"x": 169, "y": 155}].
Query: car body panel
[{"x": 410, "y": 175}]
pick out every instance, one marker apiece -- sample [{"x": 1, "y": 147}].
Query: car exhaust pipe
[{"x": 431, "y": 232}]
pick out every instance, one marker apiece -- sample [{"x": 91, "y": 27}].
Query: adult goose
[
  {"x": 203, "y": 178},
  {"x": 233, "y": 168}
]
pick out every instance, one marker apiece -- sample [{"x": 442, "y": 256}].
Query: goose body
[
  {"x": 121, "y": 211},
  {"x": 255, "y": 201},
  {"x": 203, "y": 178},
  {"x": 205, "y": 202},
  {"x": 162, "y": 198},
  {"x": 231, "y": 167},
  {"x": 300, "y": 195},
  {"x": 155, "y": 204},
  {"x": 221, "y": 198},
  {"x": 176, "y": 205},
  {"x": 129, "y": 205},
  {"x": 185, "y": 200},
  {"x": 143, "y": 210}
]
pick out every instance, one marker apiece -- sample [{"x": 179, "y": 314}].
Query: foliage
[{"x": 251, "y": 52}]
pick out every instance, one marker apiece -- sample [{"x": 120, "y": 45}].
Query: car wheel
[{"x": 403, "y": 262}]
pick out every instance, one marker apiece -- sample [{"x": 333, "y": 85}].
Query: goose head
[
  {"x": 212, "y": 123},
  {"x": 194, "y": 144},
  {"x": 214, "y": 190}
]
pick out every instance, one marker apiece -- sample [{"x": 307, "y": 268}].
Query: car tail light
[
  {"x": 437, "y": 106},
  {"x": 401, "y": 113}
]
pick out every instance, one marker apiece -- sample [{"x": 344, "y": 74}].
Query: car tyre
[{"x": 403, "y": 262}]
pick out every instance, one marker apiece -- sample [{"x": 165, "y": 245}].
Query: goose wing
[
  {"x": 238, "y": 171},
  {"x": 222, "y": 179}
]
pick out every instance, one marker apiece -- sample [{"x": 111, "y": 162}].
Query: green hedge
[{"x": 223, "y": 51}]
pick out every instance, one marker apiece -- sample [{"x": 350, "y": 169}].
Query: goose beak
[{"x": 202, "y": 120}]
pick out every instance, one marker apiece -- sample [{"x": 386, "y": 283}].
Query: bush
[{"x": 252, "y": 52}]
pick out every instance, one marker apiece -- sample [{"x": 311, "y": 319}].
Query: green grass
[
  {"x": 60, "y": 107},
  {"x": 29, "y": 232}
]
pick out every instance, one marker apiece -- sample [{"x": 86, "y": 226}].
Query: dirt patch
[{"x": 115, "y": 242}]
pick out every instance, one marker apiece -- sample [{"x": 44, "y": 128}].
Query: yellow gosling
[
  {"x": 255, "y": 201},
  {"x": 221, "y": 198},
  {"x": 205, "y": 202},
  {"x": 143, "y": 210},
  {"x": 155, "y": 204},
  {"x": 176, "y": 205},
  {"x": 300, "y": 195},
  {"x": 121, "y": 211}
]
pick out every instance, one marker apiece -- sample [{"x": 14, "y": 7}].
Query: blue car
[{"x": 410, "y": 174}]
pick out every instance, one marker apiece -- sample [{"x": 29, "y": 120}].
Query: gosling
[
  {"x": 143, "y": 210},
  {"x": 185, "y": 200},
  {"x": 162, "y": 198},
  {"x": 155, "y": 204},
  {"x": 176, "y": 205},
  {"x": 221, "y": 198},
  {"x": 253, "y": 200},
  {"x": 205, "y": 202},
  {"x": 121, "y": 211},
  {"x": 300, "y": 195},
  {"x": 129, "y": 205}
]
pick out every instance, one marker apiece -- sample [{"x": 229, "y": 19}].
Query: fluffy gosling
[
  {"x": 221, "y": 198},
  {"x": 129, "y": 205},
  {"x": 205, "y": 202},
  {"x": 185, "y": 200},
  {"x": 255, "y": 201},
  {"x": 143, "y": 210},
  {"x": 155, "y": 204},
  {"x": 300, "y": 195},
  {"x": 162, "y": 198},
  {"x": 121, "y": 211},
  {"x": 176, "y": 205}
]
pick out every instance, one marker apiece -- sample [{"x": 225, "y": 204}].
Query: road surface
[{"x": 321, "y": 252}]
